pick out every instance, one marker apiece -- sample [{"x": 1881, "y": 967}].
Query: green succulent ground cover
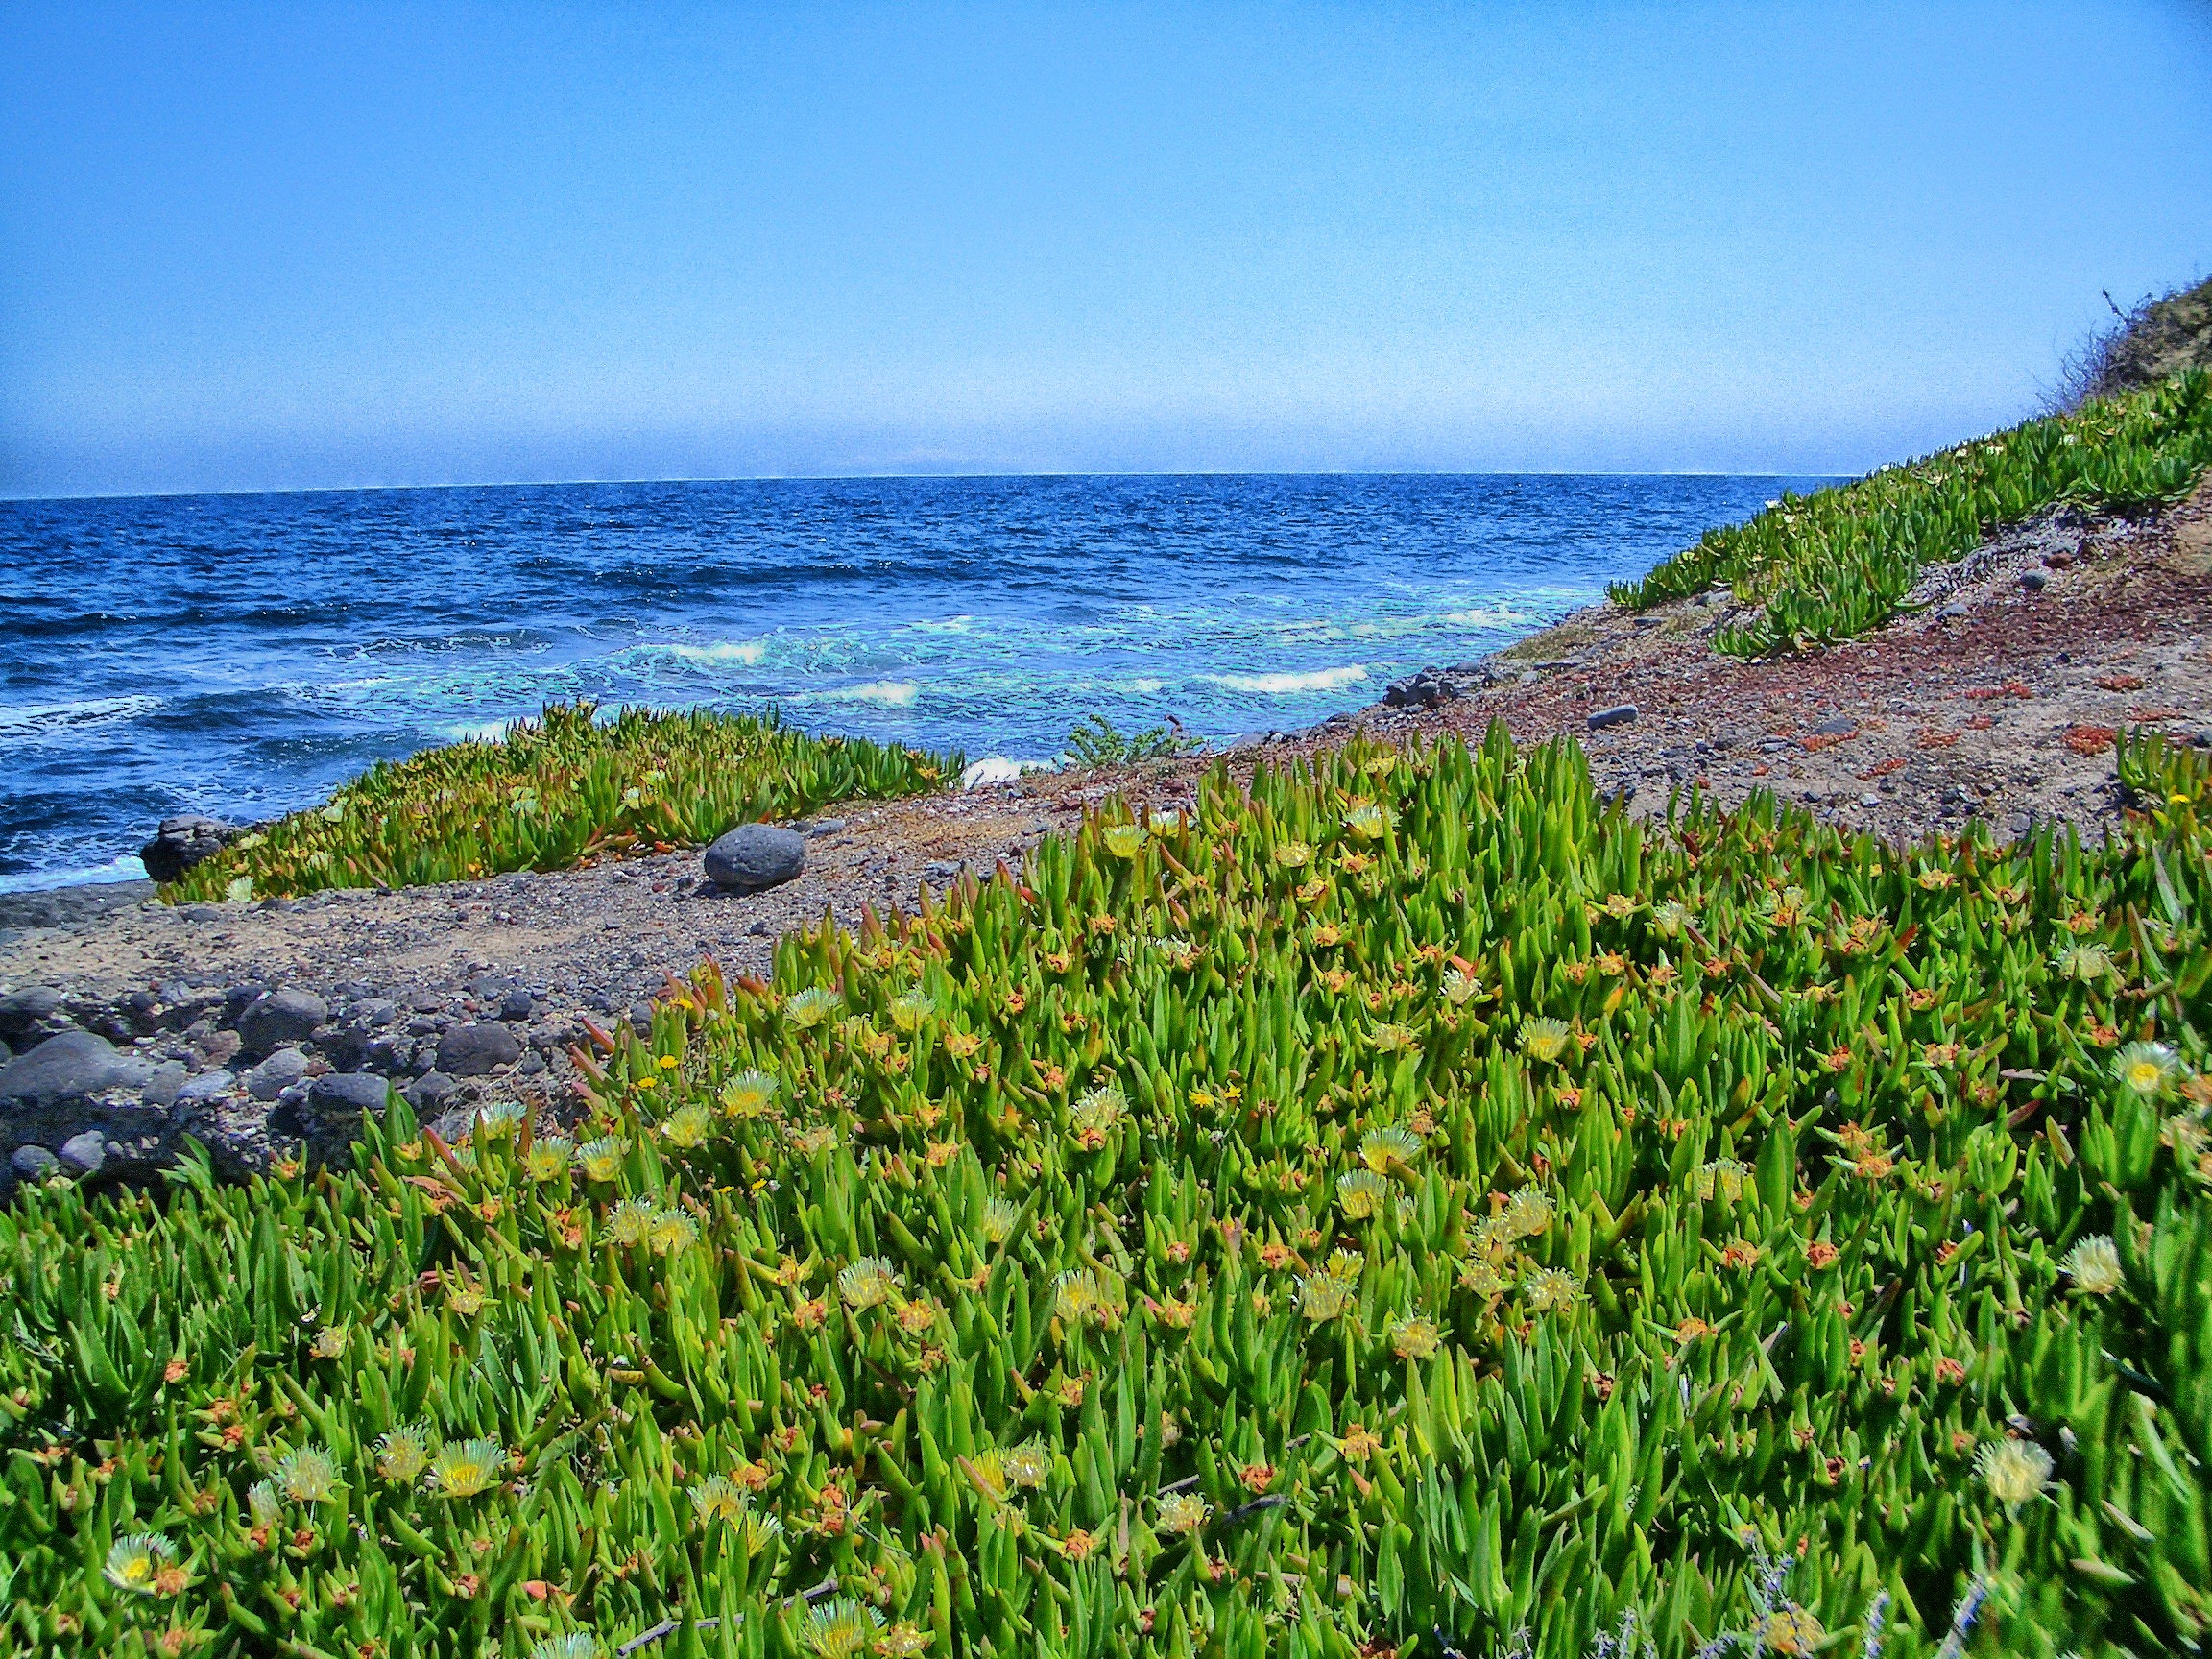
[
  {"x": 1407, "y": 1204},
  {"x": 553, "y": 791},
  {"x": 1836, "y": 562}
]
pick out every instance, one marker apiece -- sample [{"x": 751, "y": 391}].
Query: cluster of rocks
[
  {"x": 184, "y": 840},
  {"x": 110, "y": 1088}
]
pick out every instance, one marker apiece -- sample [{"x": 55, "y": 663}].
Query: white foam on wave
[
  {"x": 746, "y": 653},
  {"x": 884, "y": 693},
  {"x": 1144, "y": 686},
  {"x": 473, "y": 730},
  {"x": 999, "y": 769},
  {"x": 39, "y": 718},
  {"x": 1498, "y": 616},
  {"x": 1290, "y": 685},
  {"x": 950, "y": 625},
  {"x": 125, "y": 867}
]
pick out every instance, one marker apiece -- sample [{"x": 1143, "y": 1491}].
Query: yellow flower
[
  {"x": 601, "y": 1160},
  {"x": 717, "y": 1498},
  {"x": 1528, "y": 1212},
  {"x": 2148, "y": 1069},
  {"x": 467, "y": 1468},
  {"x": 403, "y": 1453},
  {"x": 1124, "y": 840},
  {"x": 687, "y": 1127},
  {"x": 135, "y": 1561},
  {"x": 910, "y": 1010},
  {"x": 1414, "y": 1337},
  {"x": 629, "y": 1222},
  {"x": 748, "y": 1094},
  {"x": 1028, "y": 1466},
  {"x": 1292, "y": 854},
  {"x": 2013, "y": 1470},
  {"x": 671, "y": 1231},
  {"x": 1367, "y": 821},
  {"x": 842, "y": 1628},
  {"x": 1384, "y": 1150},
  {"x": 1552, "y": 1290},
  {"x": 1459, "y": 986},
  {"x": 867, "y": 1282},
  {"x": 549, "y": 1155},
  {"x": 1362, "y": 1194},
  {"x": 2094, "y": 1267},
  {"x": 806, "y": 1009},
  {"x": 1182, "y": 1512},
  {"x": 999, "y": 1215},
  {"x": 1543, "y": 1039},
  {"x": 1393, "y": 1039}
]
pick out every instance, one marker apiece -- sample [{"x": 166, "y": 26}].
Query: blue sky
[{"x": 290, "y": 246}]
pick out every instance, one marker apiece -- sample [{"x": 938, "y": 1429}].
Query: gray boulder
[
  {"x": 207, "y": 1086},
  {"x": 22, "y": 1011},
  {"x": 33, "y": 1163},
  {"x": 181, "y": 842},
  {"x": 287, "y": 1016},
  {"x": 336, "y": 1106},
  {"x": 71, "y": 1065},
  {"x": 474, "y": 1050},
  {"x": 755, "y": 856},
  {"x": 83, "y": 1154},
  {"x": 277, "y": 1074},
  {"x": 1423, "y": 690},
  {"x": 165, "y": 1085}
]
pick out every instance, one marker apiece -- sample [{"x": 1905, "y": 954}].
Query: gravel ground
[{"x": 1996, "y": 701}]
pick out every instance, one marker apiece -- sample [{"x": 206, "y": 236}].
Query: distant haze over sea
[{"x": 241, "y": 655}]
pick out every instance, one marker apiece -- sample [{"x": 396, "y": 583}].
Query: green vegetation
[
  {"x": 554, "y": 791},
  {"x": 1839, "y": 561},
  {"x": 1098, "y": 742},
  {"x": 1406, "y": 1204},
  {"x": 2158, "y": 338}
]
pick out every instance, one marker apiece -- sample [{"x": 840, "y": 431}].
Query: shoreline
[{"x": 1996, "y": 702}]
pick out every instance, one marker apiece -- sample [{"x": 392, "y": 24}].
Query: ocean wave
[
  {"x": 1290, "y": 684},
  {"x": 125, "y": 867},
  {"x": 473, "y": 730},
  {"x": 884, "y": 693},
  {"x": 43, "y": 719},
  {"x": 1499, "y": 615},
  {"x": 747, "y": 652},
  {"x": 999, "y": 769}
]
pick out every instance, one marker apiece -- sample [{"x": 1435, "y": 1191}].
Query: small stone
[
  {"x": 1953, "y": 613},
  {"x": 165, "y": 1085},
  {"x": 531, "y": 1063},
  {"x": 431, "y": 1090},
  {"x": 83, "y": 1154},
  {"x": 33, "y": 1163},
  {"x": 348, "y": 1093},
  {"x": 1869, "y": 799},
  {"x": 2033, "y": 581},
  {"x": 277, "y": 1074},
  {"x": 21, "y": 1011},
  {"x": 286, "y": 1016},
  {"x": 1619, "y": 714},
  {"x": 515, "y": 1005},
  {"x": 822, "y": 826},
  {"x": 473, "y": 1051},
  {"x": 374, "y": 1012},
  {"x": 1835, "y": 726},
  {"x": 759, "y": 928},
  {"x": 207, "y": 1086},
  {"x": 755, "y": 856}
]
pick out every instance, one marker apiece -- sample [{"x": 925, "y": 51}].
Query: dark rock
[
  {"x": 388, "y": 1054},
  {"x": 515, "y": 1005},
  {"x": 431, "y": 1090},
  {"x": 1619, "y": 714},
  {"x": 183, "y": 841},
  {"x": 277, "y": 1074},
  {"x": 207, "y": 1086},
  {"x": 343, "y": 1046},
  {"x": 287, "y": 1016},
  {"x": 2033, "y": 581},
  {"x": 165, "y": 1085},
  {"x": 65, "y": 907},
  {"x": 754, "y": 857},
  {"x": 33, "y": 1163},
  {"x": 822, "y": 826},
  {"x": 473, "y": 1050},
  {"x": 531, "y": 1063},
  {"x": 1422, "y": 690},
  {"x": 1838, "y": 726},
  {"x": 22, "y": 1011},
  {"x": 71, "y": 1065},
  {"x": 373, "y": 1013},
  {"x": 341, "y": 1092},
  {"x": 1953, "y": 613},
  {"x": 83, "y": 1154}
]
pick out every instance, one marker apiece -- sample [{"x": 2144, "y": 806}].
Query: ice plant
[
  {"x": 2014, "y": 1470},
  {"x": 467, "y": 1468},
  {"x": 2094, "y": 1267}
]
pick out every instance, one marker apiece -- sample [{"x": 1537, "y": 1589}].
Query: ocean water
[{"x": 241, "y": 655}]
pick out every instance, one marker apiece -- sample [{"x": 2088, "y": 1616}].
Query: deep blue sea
[{"x": 240, "y": 655}]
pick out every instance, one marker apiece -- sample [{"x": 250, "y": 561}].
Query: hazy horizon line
[{"x": 9, "y": 499}]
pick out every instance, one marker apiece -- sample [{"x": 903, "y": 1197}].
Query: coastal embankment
[{"x": 1996, "y": 697}]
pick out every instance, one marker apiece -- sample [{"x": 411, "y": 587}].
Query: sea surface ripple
[{"x": 241, "y": 655}]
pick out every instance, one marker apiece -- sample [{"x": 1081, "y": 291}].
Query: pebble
[
  {"x": 1619, "y": 714},
  {"x": 83, "y": 1154},
  {"x": 207, "y": 1086},
  {"x": 2033, "y": 581},
  {"x": 277, "y": 1074},
  {"x": 515, "y": 1005},
  {"x": 33, "y": 1163},
  {"x": 165, "y": 1085},
  {"x": 474, "y": 1050}
]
